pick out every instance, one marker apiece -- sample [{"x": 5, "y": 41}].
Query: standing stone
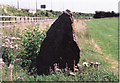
[{"x": 59, "y": 46}]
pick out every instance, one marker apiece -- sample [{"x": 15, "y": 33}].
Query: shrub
[
  {"x": 7, "y": 55},
  {"x": 9, "y": 49},
  {"x": 31, "y": 41}
]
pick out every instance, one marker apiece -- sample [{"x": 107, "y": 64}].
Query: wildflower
[
  {"x": 71, "y": 73},
  {"x": 6, "y": 46},
  {"x": 3, "y": 45},
  {"x": 97, "y": 64},
  {"x": 11, "y": 66},
  {"x": 17, "y": 60},
  {"x": 7, "y": 43},
  {"x": 1, "y": 59},
  {"x": 9, "y": 37},
  {"x": 66, "y": 69},
  {"x": 13, "y": 38},
  {"x": 2, "y": 63},
  {"x": 50, "y": 69},
  {"x": 56, "y": 69},
  {"x": 19, "y": 42},
  {"x": 85, "y": 64},
  {"x": 16, "y": 46},
  {"x": 7, "y": 40},
  {"x": 4, "y": 36},
  {"x": 11, "y": 47},
  {"x": 11, "y": 42},
  {"x": 18, "y": 38},
  {"x": 19, "y": 78},
  {"x": 92, "y": 63},
  {"x": 76, "y": 69},
  {"x": 79, "y": 68}
]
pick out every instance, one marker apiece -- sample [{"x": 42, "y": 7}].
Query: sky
[{"x": 84, "y": 6}]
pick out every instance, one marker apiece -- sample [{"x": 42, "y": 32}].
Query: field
[
  {"x": 105, "y": 34},
  {"x": 97, "y": 38}
]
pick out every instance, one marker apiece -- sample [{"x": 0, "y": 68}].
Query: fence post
[
  {"x": 28, "y": 19},
  {"x": 34, "y": 19},
  {"x": 39, "y": 19},
  {"x": 10, "y": 19},
  {"x": 3, "y": 20},
  {"x": 24, "y": 19},
  {"x": 31, "y": 19},
  {"x": 20, "y": 19},
  {"x": 15, "y": 19}
]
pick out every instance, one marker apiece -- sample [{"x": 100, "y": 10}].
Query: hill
[{"x": 10, "y": 10}]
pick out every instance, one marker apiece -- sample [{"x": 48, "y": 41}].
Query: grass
[
  {"x": 88, "y": 54},
  {"x": 105, "y": 33},
  {"x": 87, "y": 74}
]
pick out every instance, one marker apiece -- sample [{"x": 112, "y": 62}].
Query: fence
[{"x": 9, "y": 20}]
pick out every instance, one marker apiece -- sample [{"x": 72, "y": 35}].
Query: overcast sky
[{"x": 85, "y": 6}]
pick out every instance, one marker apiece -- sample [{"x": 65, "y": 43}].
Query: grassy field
[
  {"x": 91, "y": 51},
  {"x": 105, "y": 34}
]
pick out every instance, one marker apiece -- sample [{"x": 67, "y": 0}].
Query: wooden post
[
  {"x": 10, "y": 19},
  {"x": 34, "y": 19},
  {"x": 28, "y": 19},
  {"x": 31, "y": 19},
  {"x": 24, "y": 20},
  {"x": 15, "y": 19},
  {"x": 3, "y": 20},
  {"x": 20, "y": 19}
]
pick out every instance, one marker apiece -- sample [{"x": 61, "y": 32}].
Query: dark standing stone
[{"x": 58, "y": 46}]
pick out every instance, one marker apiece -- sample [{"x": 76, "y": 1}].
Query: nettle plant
[{"x": 31, "y": 39}]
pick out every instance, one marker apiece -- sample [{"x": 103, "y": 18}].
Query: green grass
[
  {"x": 105, "y": 33},
  {"x": 87, "y": 74}
]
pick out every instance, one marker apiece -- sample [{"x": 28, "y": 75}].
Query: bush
[
  {"x": 9, "y": 49},
  {"x": 31, "y": 41},
  {"x": 7, "y": 55}
]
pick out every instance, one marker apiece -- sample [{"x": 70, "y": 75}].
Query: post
[
  {"x": 36, "y": 18},
  {"x": 3, "y": 20},
  {"x": 24, "y": 20},
  {"x": 20, "y": 19},
  {"x": 10, "y": 19},
  {"x": 31, "y": 19},
  {"x": 15, "y": 19},
  {"x": 28, "y": 19}
]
